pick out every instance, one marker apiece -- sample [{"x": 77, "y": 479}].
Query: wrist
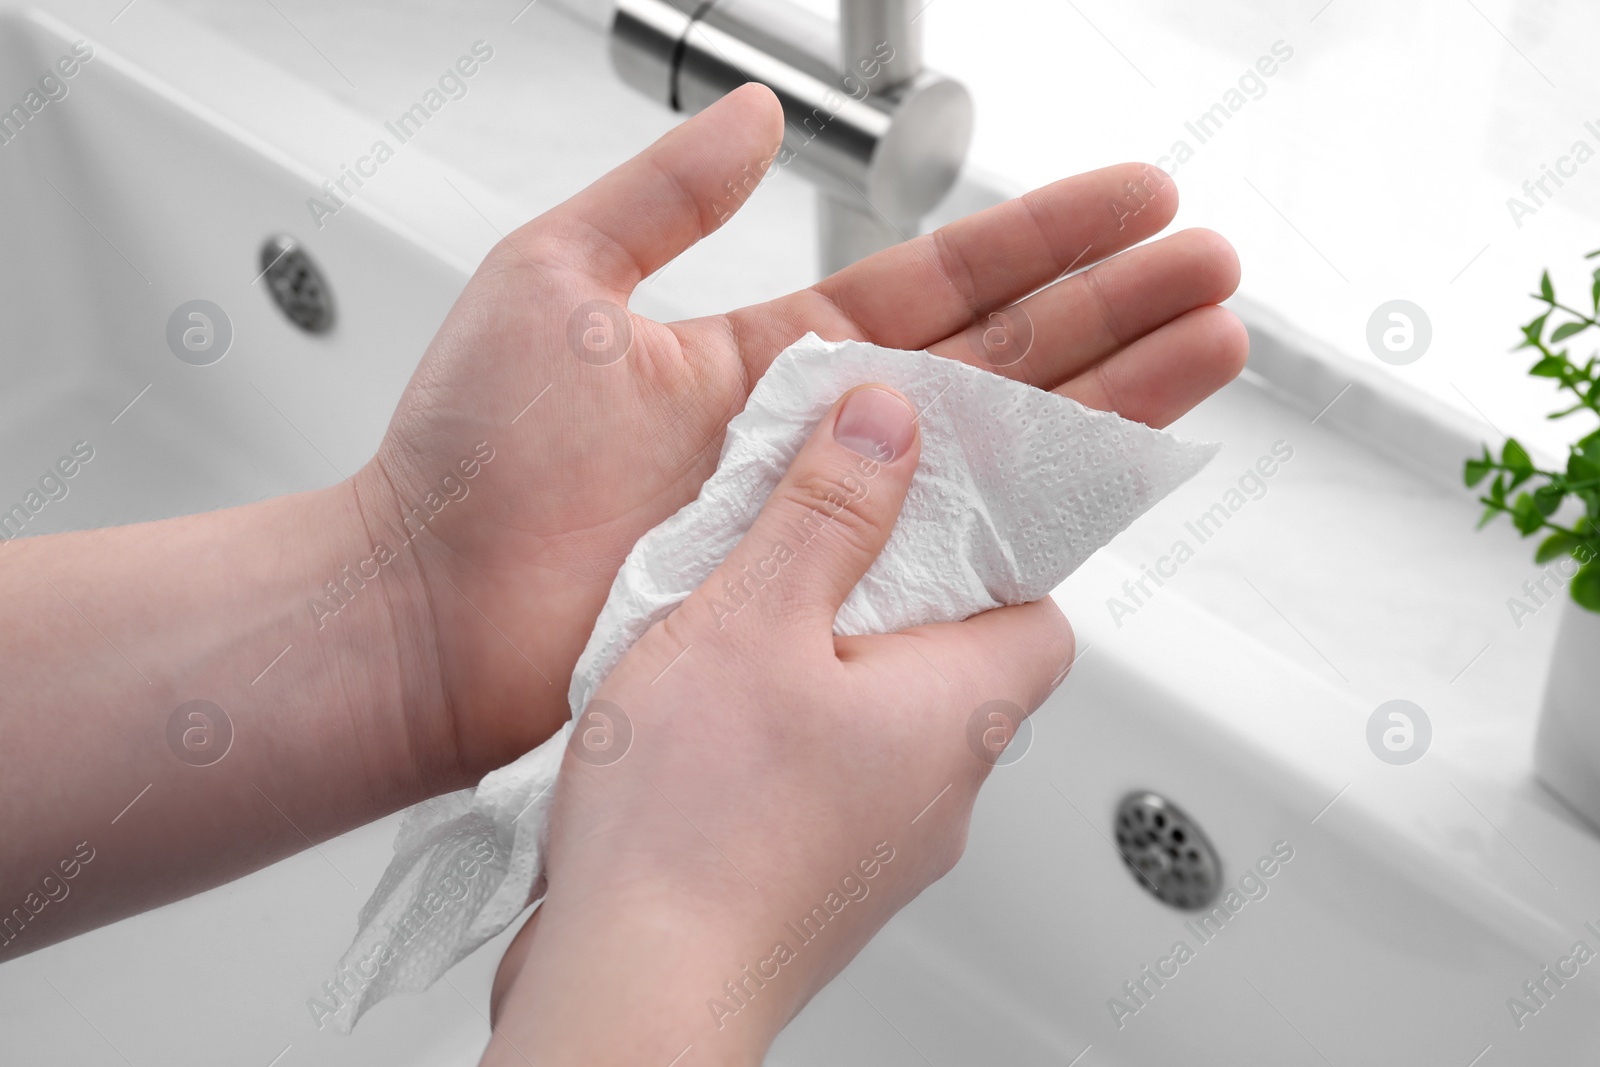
[
  {"x": 501, "y": 615},
  {"x": 625, "y": 978},
  {"x": 370, "y": 611}
]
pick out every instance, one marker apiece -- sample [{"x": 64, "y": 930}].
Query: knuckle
[
  {"x": 677, "y": 629},
  {"x": 834, "y": 504}
]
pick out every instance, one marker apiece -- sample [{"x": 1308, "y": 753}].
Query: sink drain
[
  {"x": 297, "y": 285},
  {"x": 1167, "y": 852}
]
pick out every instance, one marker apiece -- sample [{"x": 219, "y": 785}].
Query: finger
[
  {"x": 826, "y": 521},
  {"x": 641, "y": 215},
  {"x": 1061, "y": 331},
  {"x": 1163, "y": 374},
  {"x": 1017, "y": 654},
  {"x": 920, "y": 292}
]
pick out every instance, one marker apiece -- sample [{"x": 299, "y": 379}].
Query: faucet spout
[{"x": 881, "y": 137}]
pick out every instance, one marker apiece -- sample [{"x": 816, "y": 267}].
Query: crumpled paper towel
[{"x": 1015, "y": 488}]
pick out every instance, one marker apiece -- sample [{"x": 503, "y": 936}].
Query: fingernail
[{"x": 875, "y": 423}]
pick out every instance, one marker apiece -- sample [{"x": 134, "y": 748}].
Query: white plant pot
[{"x": 1567, "y": 754}]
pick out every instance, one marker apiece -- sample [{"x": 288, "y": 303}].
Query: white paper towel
[{"x": 1015, "y": 488}]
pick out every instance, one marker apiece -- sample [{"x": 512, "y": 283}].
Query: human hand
[
  {"x": 458, "y": 661},
  {"x": 786, "y": 790},
  {"x": 511, "y": 581}
]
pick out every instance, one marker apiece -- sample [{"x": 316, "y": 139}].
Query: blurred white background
[{"x": 1375, "y": 164}]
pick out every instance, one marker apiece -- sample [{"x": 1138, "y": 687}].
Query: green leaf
[
  {"x": 1585, "y": 585},
  {"x": 1476, "y": 471},
  {"x": 1533, "y": 331},
  {"x": 1555, "y": 546},
  {"x": 1566, "y": 330},
  {"x": 1525, "y": 515},
  {"x": 1549, "y": 367},
  {"x": 1591, "y": 255},
  {"x": 1546, "y": 291},
  {"x": 1487, "y": 517},
  {"x": 1564, "y": 412},
  {"x": 1515, "y": 459},
  {"x": 1513, "y": 455},
  {"x": 1595, "y": 290},
  {"x": 1497, "y": 489},
  {"x": 1589, "y": 447},
  {"x": 1547, "y": 498},
  {"x": 1582, "y": 469}
]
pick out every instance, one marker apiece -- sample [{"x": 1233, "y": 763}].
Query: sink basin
[
  {"x": 1418, "y": 899},
  {"x": 137, "y": 202},
  {"x": 1407, "y": 905}
]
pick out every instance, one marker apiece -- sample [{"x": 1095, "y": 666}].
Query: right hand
[{"x": 772, "y": 764}]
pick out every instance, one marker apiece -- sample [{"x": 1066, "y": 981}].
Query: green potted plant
[{"x": 1563, "y": 505}]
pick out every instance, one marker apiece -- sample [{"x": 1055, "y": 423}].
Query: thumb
[
  {"x": 683, "y": 187},
  {"x": 828, "y": 518}
]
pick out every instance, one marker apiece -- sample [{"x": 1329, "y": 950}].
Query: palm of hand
[{"x": 589, "y": 454}]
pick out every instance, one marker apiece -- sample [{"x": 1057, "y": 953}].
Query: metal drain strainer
[
  {"x": 1167, "y": 852},
  {"x": 296, "y": 285}
]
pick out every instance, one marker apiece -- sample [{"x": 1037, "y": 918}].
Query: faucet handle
[{"x": 878, "y": 134}]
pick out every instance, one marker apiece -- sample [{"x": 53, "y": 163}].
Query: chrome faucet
[{"x": 882, "y": 137}]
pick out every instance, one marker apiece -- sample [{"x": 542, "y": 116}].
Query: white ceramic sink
[
  {"x": 1418, "y": 899},
  {"x": 125, "y": 201},
  {"x": 1394, "y": 935}
]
